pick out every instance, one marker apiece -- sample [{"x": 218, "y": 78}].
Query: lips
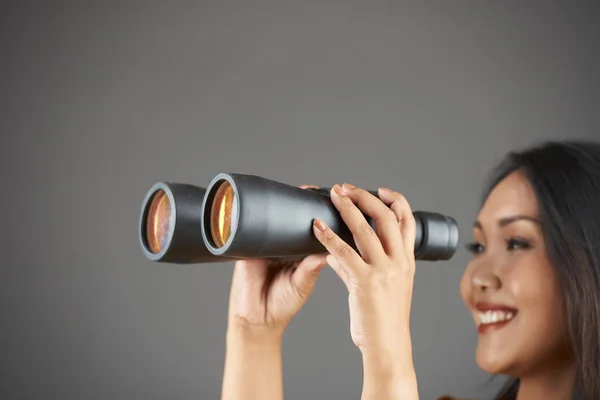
[{"x": 493, "y": 316}]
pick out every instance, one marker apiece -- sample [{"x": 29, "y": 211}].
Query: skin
[{"x": 510, "y": 267}]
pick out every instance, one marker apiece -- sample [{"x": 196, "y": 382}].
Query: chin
[{"x": 494, "y": 362}]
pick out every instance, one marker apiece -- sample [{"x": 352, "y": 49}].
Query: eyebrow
[{"x": 509, "y": 220}]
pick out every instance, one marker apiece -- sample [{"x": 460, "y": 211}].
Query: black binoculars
[{"x": 242, "y": 216}]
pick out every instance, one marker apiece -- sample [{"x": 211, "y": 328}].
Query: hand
[
  {"x": 379, "y": 277},
  {"x": 266, "y": 294}
]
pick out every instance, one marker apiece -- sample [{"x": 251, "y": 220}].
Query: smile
[{"x": 490, "y": 318}]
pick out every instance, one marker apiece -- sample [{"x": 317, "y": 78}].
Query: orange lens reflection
[
  {"x": 158, "y": 222},
  {"x": 223, "y": 211}
]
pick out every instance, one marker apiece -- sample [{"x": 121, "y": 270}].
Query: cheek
[
  {"x": 533, "y": 285},
  {"x": 537, "y": 295}
]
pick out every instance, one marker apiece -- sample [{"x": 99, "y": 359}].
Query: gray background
[{"x": 100, "y": 101}]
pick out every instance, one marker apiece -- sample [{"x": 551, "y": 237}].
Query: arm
[
  {"x": 252, "y": 366},
  {"x": 257, "y": 322},
  {"x": 389, "y": 375}
]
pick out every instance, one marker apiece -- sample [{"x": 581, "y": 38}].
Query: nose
[{"x": 485, "y": 281}]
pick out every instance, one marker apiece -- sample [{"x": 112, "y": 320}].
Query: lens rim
[
  {"x": 453, "y": 237},
  {"x": 211, "y": 191},
  {"x": 146, "y": 203},
  {"x": 224, "y": 194}
]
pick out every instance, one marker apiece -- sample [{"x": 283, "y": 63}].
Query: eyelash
[{"x": 512, "y": 244}]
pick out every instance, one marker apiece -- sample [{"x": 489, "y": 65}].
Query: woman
[{"x": 533, "y": 285}]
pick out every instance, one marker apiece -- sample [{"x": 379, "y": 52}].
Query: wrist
[
  {"x": 390, "y": 364},
  {"x": 253, "y": 363},
  {"x": 389, "y": 374},
  {"x": 242, "y": 333}
]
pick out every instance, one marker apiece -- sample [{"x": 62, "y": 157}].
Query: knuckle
[
  {"x": 387, "y": 214},
  {"x": 330, "y": 236},
  {"x": 366, "y": 229},
  {"x": 390, "y": 214},
  {"x": 368, "y": 196},
  {"x": 344, "y": 250},
  {"x": 361, "y": 195},
  {"x": 399, "y": 196},
  {"x": 343, "y": 205},
  {"x": 403, "y": 201},
  {"x": 409, "y": 217},
  {"x": 359, "y": 191},
  {"x": 402, "y": 212}
]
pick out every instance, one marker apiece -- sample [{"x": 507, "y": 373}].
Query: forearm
[
  {"x": 253, "y": 367},
  {"x": 389, "y": 375}
]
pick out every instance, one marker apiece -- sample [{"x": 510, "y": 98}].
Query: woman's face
[{"x": 510, "y": 286}]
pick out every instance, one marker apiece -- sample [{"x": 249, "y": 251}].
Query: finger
[
  {"x": 349, "y": 260},
  {"x": 308, "y": 187},
  {"x": 339, "y": 270},
  {"x": 403, "y": 211},
  {"x": 306, "y": 274},
  {"x": 365, "y": 237},
  {"x": 385, "y": 220}
]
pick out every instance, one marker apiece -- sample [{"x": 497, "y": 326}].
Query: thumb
[{"x": 308, "y": 271}]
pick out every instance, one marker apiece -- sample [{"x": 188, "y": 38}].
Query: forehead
[{"x": 513, "y": 195}]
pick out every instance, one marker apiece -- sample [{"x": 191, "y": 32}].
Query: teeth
[{"x": 490, "y": 317}]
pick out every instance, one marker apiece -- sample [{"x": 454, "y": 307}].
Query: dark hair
[{"x": 565, "y": 176}]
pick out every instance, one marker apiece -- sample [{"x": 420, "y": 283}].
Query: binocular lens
[
  {"x": 158, "y": 222},
  {"x": 223, "y": 212}
]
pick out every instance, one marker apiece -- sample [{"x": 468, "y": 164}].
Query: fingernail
[
  {"x": 338, "y": 189},
  {"x": 385, "y": 190},
  {"x": 320, "y": 224},
  {"x": 347, "y": 186}
]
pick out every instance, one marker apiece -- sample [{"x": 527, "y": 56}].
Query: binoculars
[{"x": 241, "y": 216}]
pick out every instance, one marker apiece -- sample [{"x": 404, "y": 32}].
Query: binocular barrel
[{"x": 242, "y": 216}]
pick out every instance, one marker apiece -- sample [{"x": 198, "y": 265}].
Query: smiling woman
[
  {"x": 511, "y": 273},
  {"x": 533, "y": 285}
]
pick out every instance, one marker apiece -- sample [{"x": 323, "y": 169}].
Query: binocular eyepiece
[{"x": 246, "y": 216}]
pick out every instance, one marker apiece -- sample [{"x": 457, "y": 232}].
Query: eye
[
  {"x": 517, "y": 244},
  {"x": 474, "y": 248}
]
